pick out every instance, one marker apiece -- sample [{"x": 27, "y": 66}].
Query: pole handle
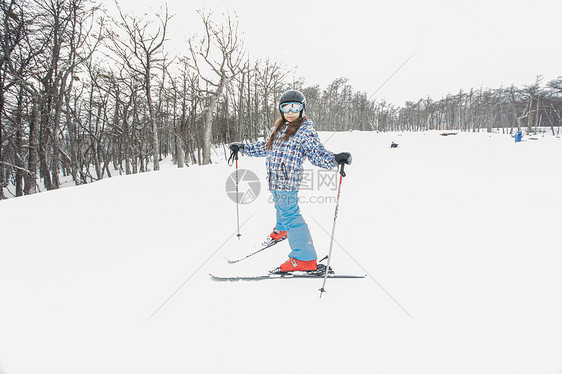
[{"x": 342, "y": 172}]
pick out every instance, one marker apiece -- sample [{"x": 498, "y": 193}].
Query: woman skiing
[{"x": 292, "y": 139}]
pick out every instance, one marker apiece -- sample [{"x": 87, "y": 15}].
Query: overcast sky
[{"x": 456, "y": 44}]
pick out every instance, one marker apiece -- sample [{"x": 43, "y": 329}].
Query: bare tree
[
  {"x": 220, "y": 52},
  {"x": 20, "y": 51},
  {"x": 12, "y": 34},
  {"x": 142, "y": 51},
  {"x": 270, "y": 75}
]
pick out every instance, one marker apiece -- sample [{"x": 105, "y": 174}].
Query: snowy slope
[{"x": 459, "y": 236}]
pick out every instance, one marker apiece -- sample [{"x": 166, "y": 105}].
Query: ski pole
[
  {"x": 234, "y": 156},
  {"x": 342, "y": 174}
]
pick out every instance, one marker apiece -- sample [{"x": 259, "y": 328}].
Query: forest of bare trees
[
  {"x": 84, "y": 95},
  {"x": 508, "y": 109}
]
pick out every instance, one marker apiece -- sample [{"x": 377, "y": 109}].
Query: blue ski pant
[{"x": 290, "y": 219}]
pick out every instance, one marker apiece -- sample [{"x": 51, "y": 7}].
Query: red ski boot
[
  {"x": 297, "y": 265},
  {"x": 277, "y": 235}
]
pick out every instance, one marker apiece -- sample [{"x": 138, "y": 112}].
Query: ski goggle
[{"x": 291, "y": 107}]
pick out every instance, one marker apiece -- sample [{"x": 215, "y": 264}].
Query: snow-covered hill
[{"x": 460, "y": 236}]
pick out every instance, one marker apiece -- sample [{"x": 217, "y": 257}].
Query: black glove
[
  {"x": 235, "y": 147},
  {"x": 343, "y": 158}
]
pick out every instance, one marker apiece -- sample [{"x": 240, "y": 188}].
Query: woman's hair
[{"x": 291, "y": 130}]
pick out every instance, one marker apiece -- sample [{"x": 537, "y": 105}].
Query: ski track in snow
[{"x": 459, "y": 236}]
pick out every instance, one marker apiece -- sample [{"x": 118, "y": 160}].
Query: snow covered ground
[{"x": 460, "y": 236}]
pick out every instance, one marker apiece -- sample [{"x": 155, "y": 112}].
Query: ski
[
  {"x": 284, "y": 276},
  {"x": 267, "y": 244},
  {"x": 320, "y": 273}
]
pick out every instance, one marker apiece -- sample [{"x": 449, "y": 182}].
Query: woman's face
[{"x": 291, "y": 117}]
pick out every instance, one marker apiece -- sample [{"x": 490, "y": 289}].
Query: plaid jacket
[{"x": 284, "y": 159}]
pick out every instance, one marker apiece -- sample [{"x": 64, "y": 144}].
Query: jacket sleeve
[
  {"x": 315, "y": 151},
  {"x": 256, "y": 149}
]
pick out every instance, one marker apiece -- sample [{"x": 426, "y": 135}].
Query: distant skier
[{"x": 292, "y": 139}]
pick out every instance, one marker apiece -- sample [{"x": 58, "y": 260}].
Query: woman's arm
[
  {"x": 315, "y": 151},
  {"x": 256, "y": 149}
]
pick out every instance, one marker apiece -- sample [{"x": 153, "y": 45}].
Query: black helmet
[{"x": 293, "y": 96}]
